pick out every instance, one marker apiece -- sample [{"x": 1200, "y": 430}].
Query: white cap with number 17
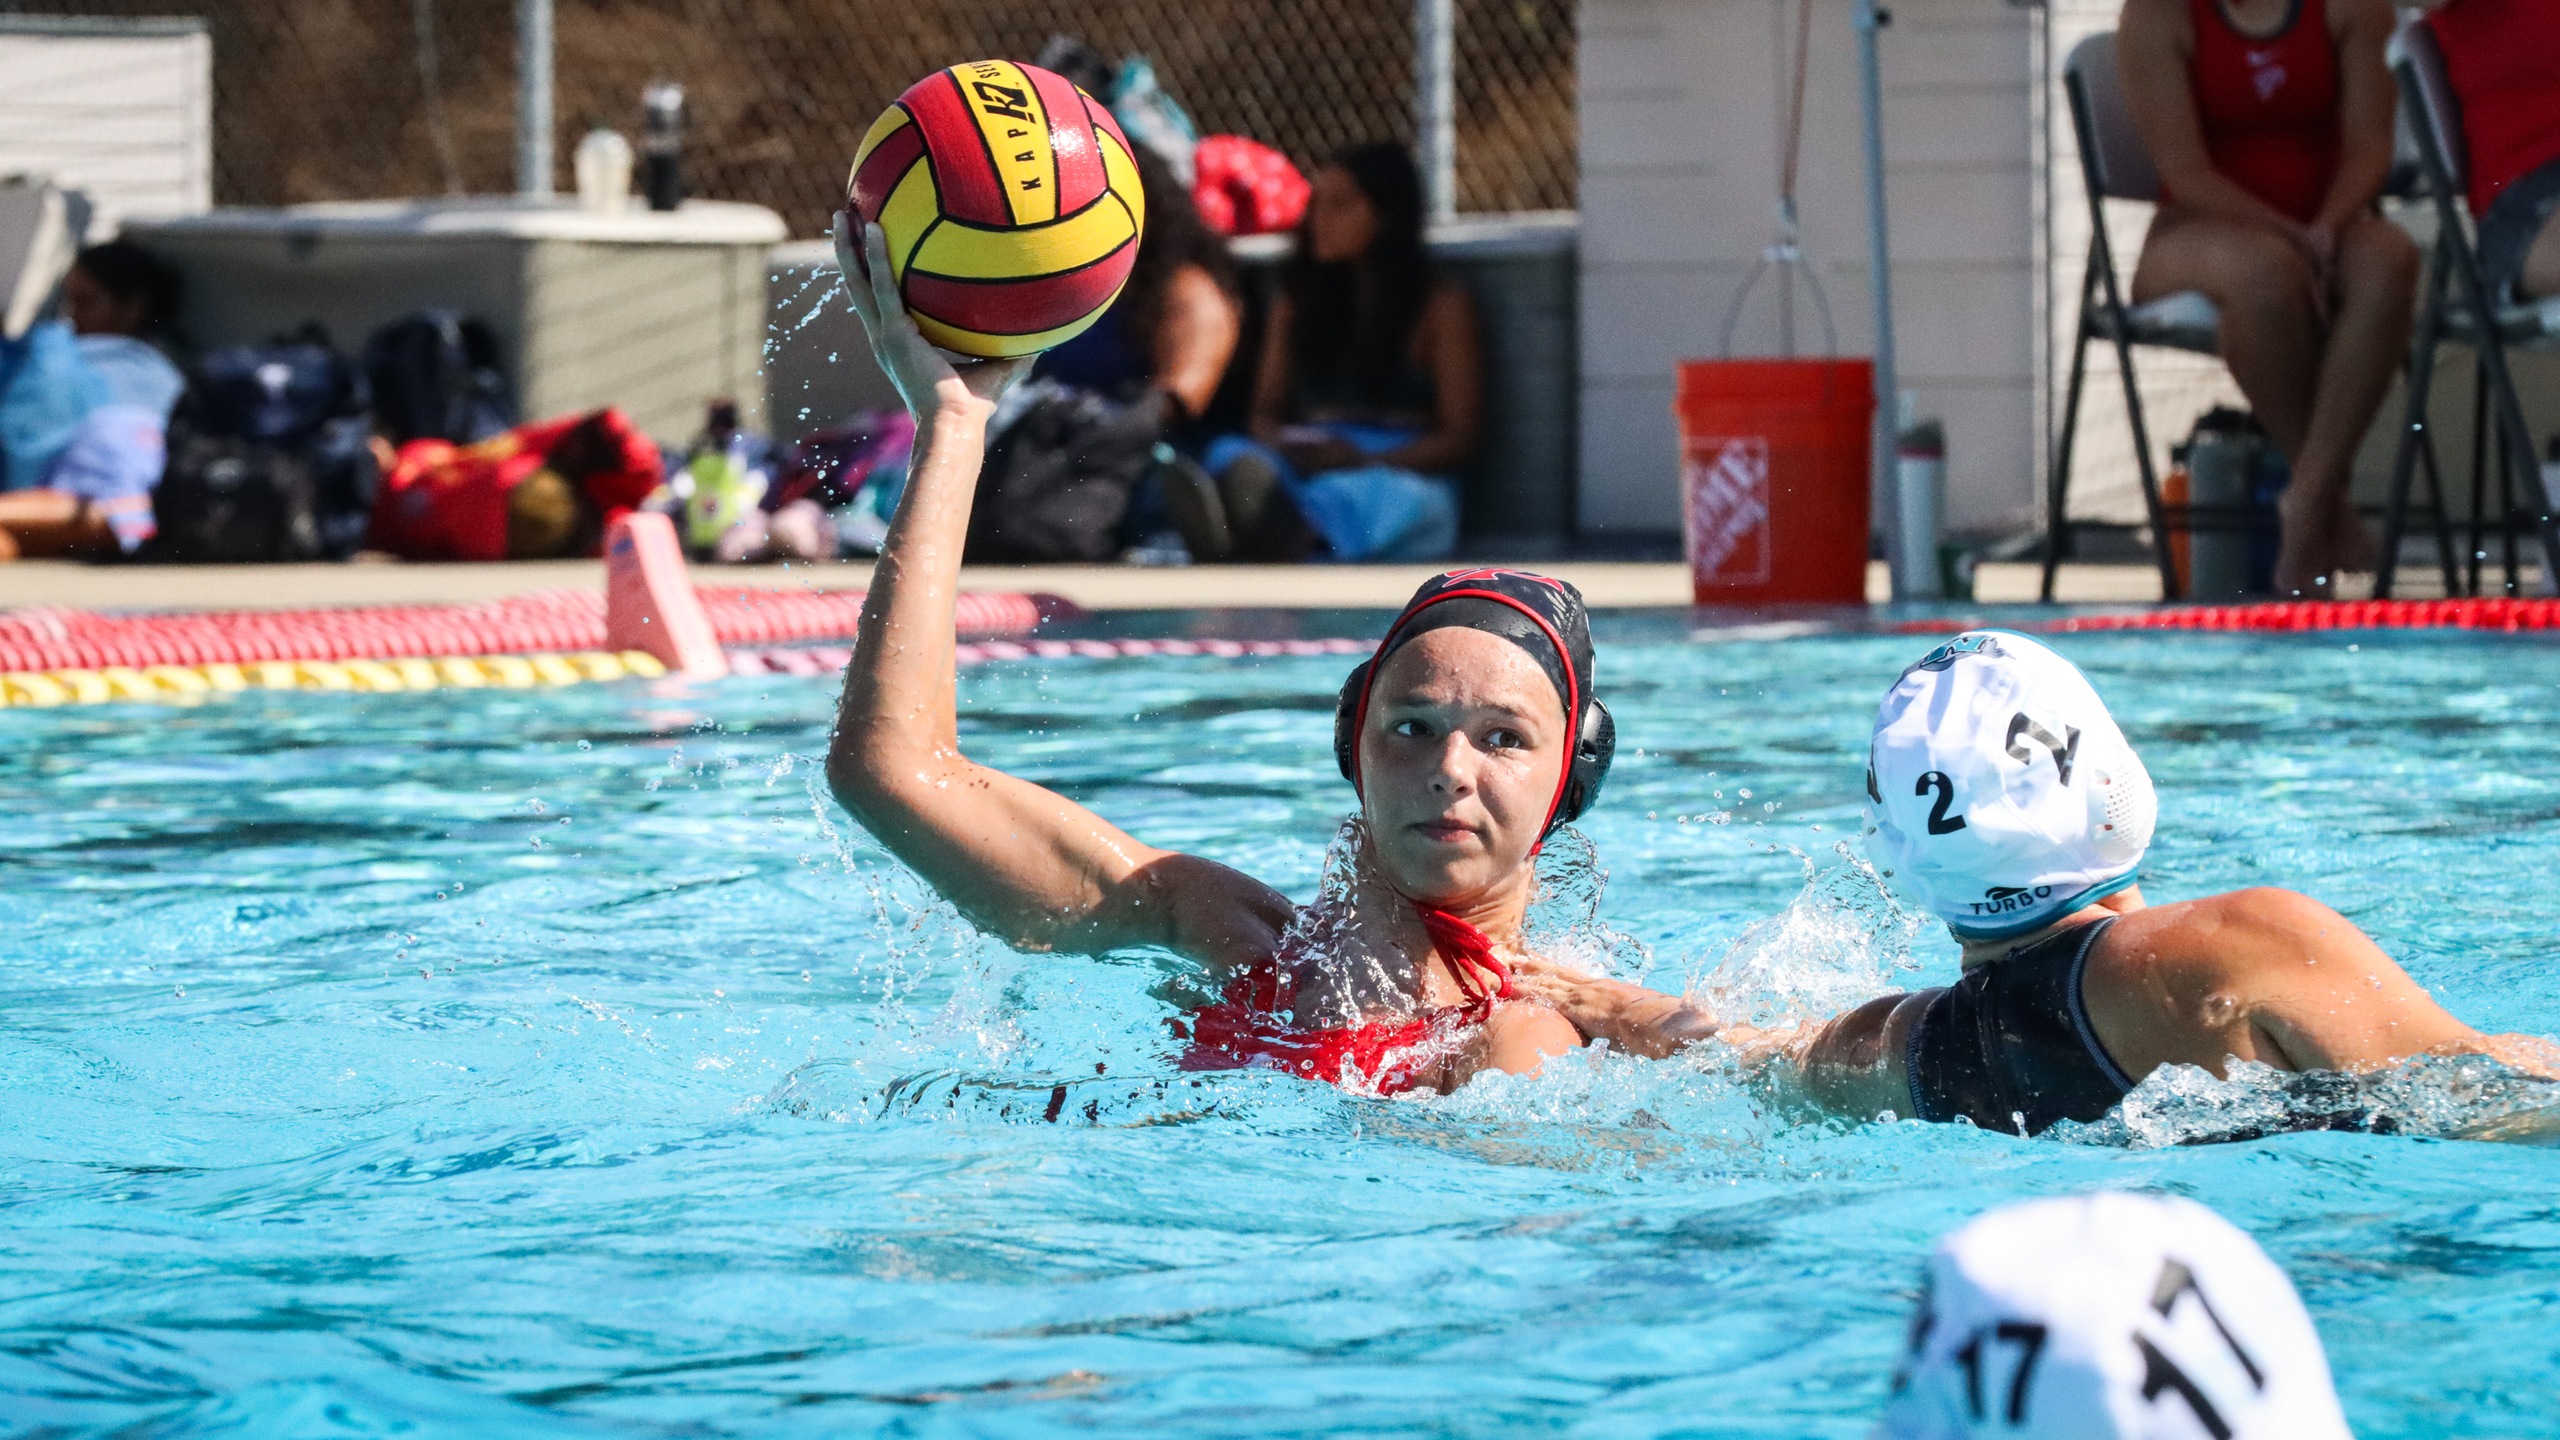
[{"x": 2110, "y": 1317}]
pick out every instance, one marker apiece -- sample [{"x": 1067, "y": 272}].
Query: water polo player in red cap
[{"x": 1469, "y": 737}]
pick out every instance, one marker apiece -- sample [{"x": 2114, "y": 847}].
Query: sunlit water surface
[{"x": 508, "y": 1063}]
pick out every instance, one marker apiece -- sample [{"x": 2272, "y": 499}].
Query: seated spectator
[
  {"x": 88, "y": 492},
  {"x": 2111, "y": 1316},
  {"x": 2270, "y": 123},
  {"x": 2503, "y": 57},
  {"x": 1080, "y": 449},
  {"x": 1367, "y": 401},
  {"x": 1165, "y": 344}
]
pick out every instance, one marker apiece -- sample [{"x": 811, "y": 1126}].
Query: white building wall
[
  {"x": 1681, "y": 104},
  {"x": 120, "y": 110}
]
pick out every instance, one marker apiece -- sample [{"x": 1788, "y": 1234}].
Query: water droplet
[{"x": 586, "y": 745}]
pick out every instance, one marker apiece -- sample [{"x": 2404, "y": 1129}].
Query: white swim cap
[
  {"x": 2110, "y": 1317},
  {"x": 2003, "y": 795}
]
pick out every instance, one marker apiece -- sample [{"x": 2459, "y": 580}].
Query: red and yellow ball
[{"x": 1009, "y": 202}]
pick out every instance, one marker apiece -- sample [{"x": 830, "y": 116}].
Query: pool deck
[{"x": 1607, "y": 585}]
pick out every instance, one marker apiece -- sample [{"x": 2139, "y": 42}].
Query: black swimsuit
[{"x": 2010, "y": 1046}]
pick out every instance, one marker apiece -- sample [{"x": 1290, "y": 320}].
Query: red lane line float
[
  {"x": 829, "y": 660},
  {"x": 2504, "y": 613},
  {"x": 651, "y": 620},
  {"x": 559, "y": 620}
]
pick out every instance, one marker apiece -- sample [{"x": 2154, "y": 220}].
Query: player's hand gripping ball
[{"x": 1009, "y": 202}]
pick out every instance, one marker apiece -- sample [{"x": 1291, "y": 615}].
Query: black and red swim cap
[{"x": 1542, "y": 615}]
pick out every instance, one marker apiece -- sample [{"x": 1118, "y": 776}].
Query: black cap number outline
[
  {"x": 2065, "y": 752},
  {"x": 2160, "y": 1373},
  {"x": 2029, "y": 1337}
]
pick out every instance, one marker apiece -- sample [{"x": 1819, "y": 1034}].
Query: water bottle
[
  {"x": 662, "y": 145},
  {"x": 1920, "y": 486},
  {"x": 2222, "y": 459},
  {"x": 604, "y": 172},
  {"x": 727, "y": 477}
]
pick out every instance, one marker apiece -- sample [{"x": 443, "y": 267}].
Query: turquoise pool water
[{"x": 508, "y": 1063}]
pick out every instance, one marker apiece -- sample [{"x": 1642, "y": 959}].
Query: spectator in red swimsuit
[
  {"x": 2503, "y": 57},
  {"x": 2270, "y": 123}
]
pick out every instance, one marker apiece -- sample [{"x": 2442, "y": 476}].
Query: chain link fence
[{"x": 355, "y": 99}]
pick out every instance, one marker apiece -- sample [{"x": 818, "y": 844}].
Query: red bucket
[{"x": 1774, "y": 463}]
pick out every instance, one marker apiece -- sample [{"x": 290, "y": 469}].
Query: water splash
[
  {"x": 1842, "y": 941},
  {"x": 1564, "y": 924},
  {"x": 2465, "y": 1097}
]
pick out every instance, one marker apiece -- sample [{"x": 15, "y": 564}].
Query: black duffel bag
[
  {"x": 269, "y": 458},
  {"x": 1059, "y": 476}
]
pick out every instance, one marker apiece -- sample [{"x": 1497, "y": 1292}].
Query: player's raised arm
[{"x": 1023, "y": 863}]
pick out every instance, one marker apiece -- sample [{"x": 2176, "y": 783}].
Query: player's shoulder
[
  {"x": 2258, "y": 913},
  {"x": 2216, "y": 940}
]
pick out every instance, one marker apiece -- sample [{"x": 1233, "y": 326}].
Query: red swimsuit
[
  {"x": 2269, "y": 108},
  {"x": 1245, "y": 1029}
]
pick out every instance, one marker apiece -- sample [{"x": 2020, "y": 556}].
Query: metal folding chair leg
[
  {"x": 2417, "y": 446},
  {"x": 2170, "y": 588},
  {"x": 2057, "y": 529}
]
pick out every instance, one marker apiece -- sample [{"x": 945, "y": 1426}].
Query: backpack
[
  {"x": 279, "y": 393},
  {"x": 269, "y": 458},
  {"x": 1058, "y": 478},
  {"x": 434, "y": 376},
  {"x": 229, "y": 501}
]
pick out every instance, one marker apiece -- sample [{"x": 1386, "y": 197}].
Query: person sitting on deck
[
  {"x": 1369, "y": 393},
  {"x": 2003, "y": 794},
  {"x": 2270, "y": 124},
  {"x": 1469, "y": 737},
  {"x": 2503, "y": 57},
  {"x": 112, "y": 388},
  {"x": 1164, "y": 346}
]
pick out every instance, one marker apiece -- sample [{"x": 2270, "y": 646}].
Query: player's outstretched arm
[
  {"x": 1844, "y": 1064},
  {"x": 1023, "y": 863}
]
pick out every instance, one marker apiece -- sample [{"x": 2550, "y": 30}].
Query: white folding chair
[
  {"x": 2114, "y": 166},
  {"x": 2451, "y": 308}
]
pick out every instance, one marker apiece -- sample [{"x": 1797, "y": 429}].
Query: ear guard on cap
[{"x": 1595, "y": 745}]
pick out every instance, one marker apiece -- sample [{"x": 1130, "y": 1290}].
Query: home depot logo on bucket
[
  {"x": 1774, "y": 479},
  {"x": 1724, "y": 509}
]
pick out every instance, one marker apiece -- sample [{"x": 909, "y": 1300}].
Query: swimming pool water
[{"x": 516, "y": 1063}]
